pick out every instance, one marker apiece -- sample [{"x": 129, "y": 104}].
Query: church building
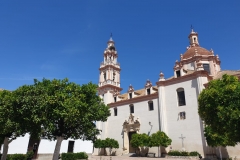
[{"x": 169, "y": 105}]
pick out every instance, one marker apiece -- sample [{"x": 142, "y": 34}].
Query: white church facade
[{"x": 170, "y": 105}]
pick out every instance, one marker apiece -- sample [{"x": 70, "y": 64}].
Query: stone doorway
[
  {"x": 130, "y": 126},
  {"x": 131, "y": 149}
]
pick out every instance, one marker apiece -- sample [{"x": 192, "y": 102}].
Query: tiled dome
[{"x": 196, "y": 49}]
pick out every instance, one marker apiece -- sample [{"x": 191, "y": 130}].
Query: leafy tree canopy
[
  {"x": 159, "y": 139},
  {"x": 64, "y": 109},
  {"x": 140, "y": 140},
  {"x": 219, "y": 108},
  {"x": 111, "y": 143},
  {"x": 10, "y": 121},
  {"x": 97, "y": 143}
]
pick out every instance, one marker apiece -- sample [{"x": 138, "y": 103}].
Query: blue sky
[{"x": 58, "y": 39}]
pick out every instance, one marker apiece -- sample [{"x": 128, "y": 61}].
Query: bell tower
[
  {"x": 109, "y": 77},
  {"x": 193, "y": 39}
]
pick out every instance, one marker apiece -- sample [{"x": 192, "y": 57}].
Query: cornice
[
  {"x": 110, "y": 86},
  {"x": 198, "y": 58},
  {"x": 184, "y": 78},
  {"x": 109, "y": 66},
  {"x": 134, "y": 100}
]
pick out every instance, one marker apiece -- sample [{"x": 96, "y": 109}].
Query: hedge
[
  {"x": 182, "y": 153},
  {"x": 18, "y": 156},
  {"x": 74, "y": 156}
]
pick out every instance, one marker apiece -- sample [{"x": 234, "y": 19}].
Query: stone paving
[{"x": 126, "y": 158}]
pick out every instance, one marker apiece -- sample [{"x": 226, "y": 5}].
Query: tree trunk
[
  {"x": 5, "y": 148},
  {"x": 219, "y": 148},
  {"x": 57, "y": 148},
  {"x": 110, "y": 151}
]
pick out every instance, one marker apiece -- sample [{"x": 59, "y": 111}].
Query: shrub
[
  {"x": 184, "y": 153},
  {"x": 174, "y": 153},
  {"x": 29, "y": 154},
  {"x": 17, "y": 157},
  {"x": 81, "y": 155},
  {"x": 67, "y": 156},
  {"x": 74, "y": 156},
  {"x": 194, "y": 153},
  {"x": 8, "y": 157}
]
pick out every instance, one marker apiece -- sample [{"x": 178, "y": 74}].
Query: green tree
[
  {"x": 136, "y": 141},
  {"x": 67, "y": 110},
  {"x": 159, "y": 139},
  {"x": 111, "y": 143},
  {"x": 219, "y": 108},
  {"x": 139, "y": 140},
  {"x": 10, "y": 122},
  {"x": 98, "y": 144}
]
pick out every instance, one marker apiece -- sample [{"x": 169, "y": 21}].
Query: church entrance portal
[
  {"x": 130, "y": 126},
  {"x": 131, "y": 149}
]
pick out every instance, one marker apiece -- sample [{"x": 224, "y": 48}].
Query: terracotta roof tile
[
  {"x": 138, "y": 93},
  {"x": 192, "y": 51},
  {"x": 229, "y": 72}
]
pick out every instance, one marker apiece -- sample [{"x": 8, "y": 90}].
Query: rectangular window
[
  {"x": 181, "y": 98},
  {"x": 105, "y": 76},
  {"x": 70, "y": 146},
  {"x": 150, "y": 106},
  {"x": 131, "y": 108},
  {"x": 115, "y": 99},
  {"x": 178, "y": 73},
  {"x": 130, "y": 95},
  {"x": 182, "y": 115},
  {"x": 148, "y": 91},
  {"x": 206, "y": 68},
  {"x": 115, "y": 111}
]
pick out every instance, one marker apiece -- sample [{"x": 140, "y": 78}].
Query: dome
[{"x": 196, "y": 49}]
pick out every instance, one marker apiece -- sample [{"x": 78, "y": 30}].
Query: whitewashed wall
[
  {"x": 47, "y": 146},
  {"x": 190, "y": 127},
  {"x": 20, "y": 146},
  {"x": 141, "y": 110}
]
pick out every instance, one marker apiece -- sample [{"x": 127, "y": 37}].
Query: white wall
[
  {"x": 47, "y": 146},
  {"x": 19, "y": 145},
  {"x": 190, "y": 127},
  {"x": 141, "y": 110}
]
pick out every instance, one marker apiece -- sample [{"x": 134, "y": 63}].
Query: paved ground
[{"x": 126, "y": 158}]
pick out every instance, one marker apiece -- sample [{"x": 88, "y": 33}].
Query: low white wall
[
  {"x": 20, "y": 145},
  {"x": 47, "y": 146}
]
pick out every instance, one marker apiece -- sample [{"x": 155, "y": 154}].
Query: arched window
[
  {"x": 131, "y": 107},
  {"x": 181, "y": 97},
  {"x": 115, "y": 111},
  {"x": 150, "y": 106}
]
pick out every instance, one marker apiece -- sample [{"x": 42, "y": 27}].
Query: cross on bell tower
[{"x": 109, "y": 77}]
